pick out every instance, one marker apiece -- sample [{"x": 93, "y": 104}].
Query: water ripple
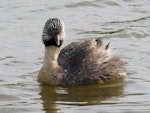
[
  {"x": 101, "y": 32},
  {"x": 81, "y": 4},
  {"x": 123, "y": 22},
  {"x": 134, "y": 20}
]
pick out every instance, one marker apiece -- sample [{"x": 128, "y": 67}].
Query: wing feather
[{"x": 87, "y": 62}]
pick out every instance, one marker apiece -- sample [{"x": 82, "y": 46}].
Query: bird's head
[{"x": 53, "y": 32}]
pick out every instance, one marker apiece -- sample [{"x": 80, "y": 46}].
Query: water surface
[{"x": 126, "y": 23}]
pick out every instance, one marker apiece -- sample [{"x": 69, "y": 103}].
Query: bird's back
[{"x": 88, "y": 62}]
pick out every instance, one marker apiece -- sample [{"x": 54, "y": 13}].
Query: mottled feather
[
  {"x": 87, "y": 62},
  {"x": 79, "y": 63}
]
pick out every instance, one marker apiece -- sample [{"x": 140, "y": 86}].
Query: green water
[{"x": 126, "y": 23}]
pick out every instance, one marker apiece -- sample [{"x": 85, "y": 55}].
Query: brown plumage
[{"x": 79, "y": 63}]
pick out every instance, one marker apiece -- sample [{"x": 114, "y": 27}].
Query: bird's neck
[
  {"x": 50, "y": 72},
  {"x": 51, "y": 56}
]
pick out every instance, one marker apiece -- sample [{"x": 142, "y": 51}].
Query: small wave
[
  {"x": 101, "y": 32},
  {"x": 81, "y": 4},
  {"x": 134, "y": 20}
]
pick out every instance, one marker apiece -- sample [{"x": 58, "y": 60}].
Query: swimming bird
[{"x": 79, "y": 63}]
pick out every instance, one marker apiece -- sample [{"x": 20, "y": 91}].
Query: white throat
[
  {"x": 49, "y": 73},
  {"x": 51, "y": 55}
]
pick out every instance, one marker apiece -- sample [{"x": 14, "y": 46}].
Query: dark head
[{"x": 53, "y": 32}]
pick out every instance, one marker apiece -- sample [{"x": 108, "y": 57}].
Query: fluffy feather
[{"x": 79, "y": 63}]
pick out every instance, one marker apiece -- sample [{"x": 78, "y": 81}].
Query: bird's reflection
[{"x": 78, "y": 95}]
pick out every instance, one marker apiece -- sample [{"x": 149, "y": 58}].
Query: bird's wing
[
  {"x": 87, "y": 62},
  {"x": 71, "y": 56}
]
